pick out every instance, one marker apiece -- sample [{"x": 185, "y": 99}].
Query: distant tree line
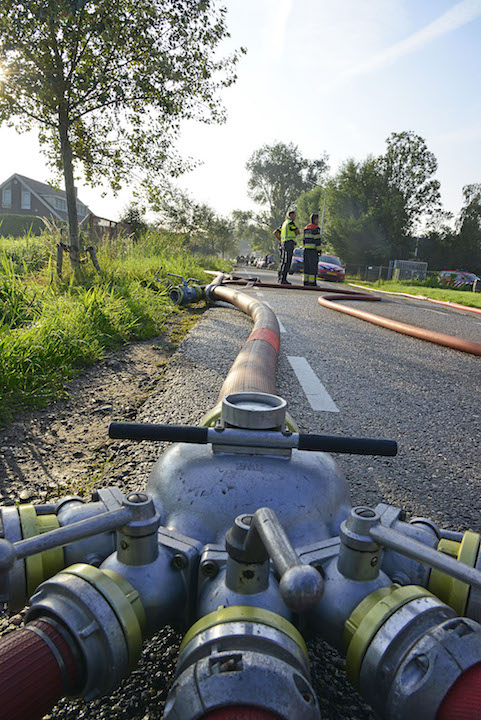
[{"x": 376, "y": 210}]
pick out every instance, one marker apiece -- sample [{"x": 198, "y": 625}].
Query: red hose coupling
[
  {"x": 37, "y": 668},
  {"x": 241, "y": 712},
  {"x": 463, "y": 701}
]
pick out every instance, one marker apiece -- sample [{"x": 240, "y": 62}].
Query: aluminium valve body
[{"x": 245, "y": 538}]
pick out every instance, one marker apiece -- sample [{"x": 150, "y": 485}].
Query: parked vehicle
[
  {"x": 457, "y": 278},
  {"x": 331, "y": 268},
  {"x": 297, "y": 262}
]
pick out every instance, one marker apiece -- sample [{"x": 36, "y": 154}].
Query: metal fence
[
  {"x": 374, "y": 273},
  {"x": 97, "y": 229},
  {"x": 369, "y": 273}
]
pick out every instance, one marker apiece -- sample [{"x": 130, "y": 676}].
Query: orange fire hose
[
  {"x": 450, "y": 341},
  {"x": 331, "y": 301}
]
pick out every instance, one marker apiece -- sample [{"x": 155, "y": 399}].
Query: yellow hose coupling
[
  {"x": 44, "y": 565},
  {"x": 454, "y": 592},
  {"x": 122, "y": 598},
  {"x": 245, "y": 614},
  {"x": 368, "y": 617}
]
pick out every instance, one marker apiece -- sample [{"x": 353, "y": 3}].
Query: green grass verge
[
  {"x": 462, "y": 297},
  {"x": 50, "y": 328}
]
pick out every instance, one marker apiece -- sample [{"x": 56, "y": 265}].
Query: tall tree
[
  {"x": 408, "y": 167},
  {"x": 133, "y": 218},
  {"x": 278, "y": 174},
  {"x": 362, "y": 213},
  {"x": 108, "y": 83}
]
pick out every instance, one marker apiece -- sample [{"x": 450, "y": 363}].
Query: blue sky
[{"x": 328, "y": 75}]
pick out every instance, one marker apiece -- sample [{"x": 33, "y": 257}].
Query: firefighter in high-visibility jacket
[
  {"x": 312, "y": 248},
  {"x": 289, "y": 232}
]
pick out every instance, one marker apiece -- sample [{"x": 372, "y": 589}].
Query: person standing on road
[
  {"x": 289, "y": 232},
  {"x": 312, "y": 247}
]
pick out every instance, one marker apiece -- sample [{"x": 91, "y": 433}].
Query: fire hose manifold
[{"x": 246, "y": 540}]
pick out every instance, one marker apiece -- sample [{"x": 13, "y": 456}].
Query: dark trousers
[
  {"x": 310, "y": 266},
  {"x": 286, "y": 258}
]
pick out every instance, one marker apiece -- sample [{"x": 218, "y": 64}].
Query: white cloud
[
  {"x": 460, "y": 14},
  {"x": 278, "y": 28}
]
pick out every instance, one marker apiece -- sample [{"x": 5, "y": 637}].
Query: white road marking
[
  {"x": 261, "y": 294},
  {"x": 282, "y": 329},
  {"x": 440, "y": 312},
  {"x": 316, "y": 393}
]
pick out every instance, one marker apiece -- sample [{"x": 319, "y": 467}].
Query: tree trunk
[{"x": 67, "y": 161}]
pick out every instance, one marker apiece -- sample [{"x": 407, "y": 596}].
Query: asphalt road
[{"x": 424, "y": 396}]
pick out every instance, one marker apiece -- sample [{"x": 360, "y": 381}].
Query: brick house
[{"x": 20, "y": 195}]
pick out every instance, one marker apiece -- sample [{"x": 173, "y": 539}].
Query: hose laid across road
[
  {"x": 335, "y": 295},
  {"x": 450, "y": 341},
  {"x": 254, "y": 369},
  {"x": 446, "y": 303}
]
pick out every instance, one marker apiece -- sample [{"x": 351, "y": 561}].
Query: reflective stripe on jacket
[{"x": 312, "y": 237}]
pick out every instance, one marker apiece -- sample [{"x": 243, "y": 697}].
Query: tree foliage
[
  {"x": 252, "y": 234},
  {"x": 363, "y": 214},
  {"x": 199, "y": 226},
  {"x": 408, "y": 166},
  {"x": 374, "y": 206},
  {"x": 108, "y": 83},
  {"x": 278, "y": 174},
  {"x": 133, "y": 218},
  {"x": 468, "y": 240}
]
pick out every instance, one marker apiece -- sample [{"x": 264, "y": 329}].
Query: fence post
[
  {"x": 93, "y": 257},
  {"x": 59, "y": 259}
]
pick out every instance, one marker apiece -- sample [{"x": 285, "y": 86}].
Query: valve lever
[{"x": 301, "y": 585}]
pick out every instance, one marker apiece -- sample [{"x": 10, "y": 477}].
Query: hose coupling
[
  {"x": 104, "y": 616},
  {"x": 406, "y": 649},
  {"x": 242, "y": 656}
]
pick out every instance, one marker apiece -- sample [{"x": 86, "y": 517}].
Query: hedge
[{"x": 19, "y": 225}]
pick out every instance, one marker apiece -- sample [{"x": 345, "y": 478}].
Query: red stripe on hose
[
  {"x": 463, "y": 701},
  {"x": 241, "y": 712},
  {"x": 265, "y": 334}
]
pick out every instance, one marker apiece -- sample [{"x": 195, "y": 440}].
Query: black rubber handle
[
  {"x": 168, "y": 433},
  {"x": 354, "y": 446}
]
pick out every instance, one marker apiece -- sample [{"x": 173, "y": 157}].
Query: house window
[
  {"x": 7, "y": 196},
  {"x": 60, "y": 204},
  {"x": 26, "y": 200}
]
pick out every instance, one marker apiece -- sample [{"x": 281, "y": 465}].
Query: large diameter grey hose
[{"x": 254, "y": 369}]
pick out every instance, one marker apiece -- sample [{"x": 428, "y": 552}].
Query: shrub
[{"x": 18, "y": 225}]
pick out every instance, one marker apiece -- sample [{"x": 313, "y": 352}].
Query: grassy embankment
[
  {"x": 462, "y": 297},
  {"x": 51, "y": 328}
]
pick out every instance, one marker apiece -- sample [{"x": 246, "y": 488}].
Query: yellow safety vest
[{"x": 288, "y": 232}]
